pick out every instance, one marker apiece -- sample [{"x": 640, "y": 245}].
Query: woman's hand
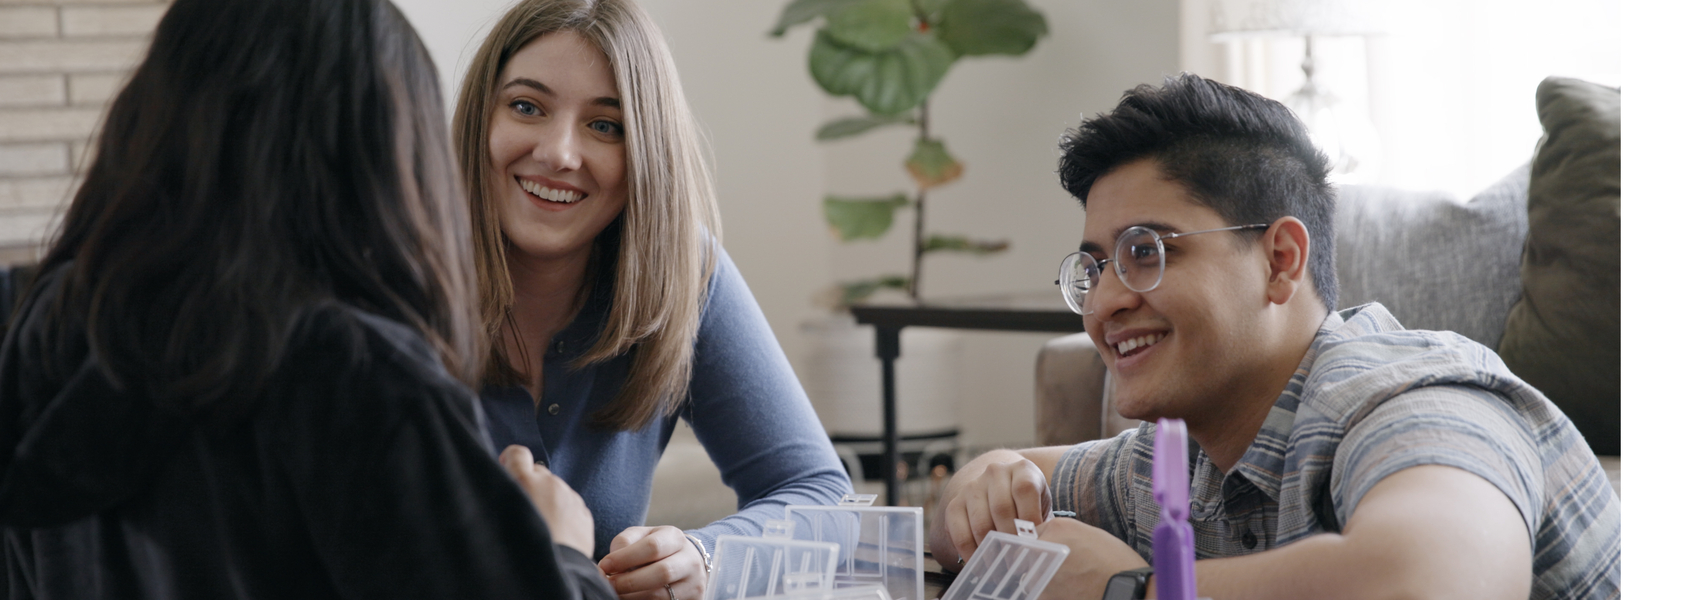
[
  {"x": 644, "y": 562},
  {"x": 569, "y": 520}
]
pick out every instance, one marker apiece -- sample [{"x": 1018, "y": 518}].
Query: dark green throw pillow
[{"x": 1562, "y": 336}]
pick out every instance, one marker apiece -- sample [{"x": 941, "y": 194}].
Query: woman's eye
[
  {"x": 607, "y": 127},
  {"x": 525, "y": 108}
]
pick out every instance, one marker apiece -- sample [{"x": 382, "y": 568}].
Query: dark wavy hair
[
  {"x": 266, "y": 158},
  {"x": 1240, "y": 154}
]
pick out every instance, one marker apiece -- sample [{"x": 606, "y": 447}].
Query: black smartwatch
[{"x": 1128, "y": 585}]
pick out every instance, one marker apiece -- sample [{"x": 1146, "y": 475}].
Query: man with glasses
[{"x": 1338, "y": 455}]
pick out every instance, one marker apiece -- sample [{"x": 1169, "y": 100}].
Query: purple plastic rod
[{"x": 1172, "y": 551}]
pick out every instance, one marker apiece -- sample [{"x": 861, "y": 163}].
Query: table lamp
[{"x": 1345, "y": 134}]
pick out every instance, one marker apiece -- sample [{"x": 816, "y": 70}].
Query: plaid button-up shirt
[{"x": 1368, "y": 400}]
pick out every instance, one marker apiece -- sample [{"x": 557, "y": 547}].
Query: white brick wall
[
  {"x": 34, "y": 159},
  {"x": 61, "y": 62},
  {"x": 70, "y": 55},
  {"x": 109, "y": 20},
  {"x": 34, "y": 192},
  {"x": 28, "y": 21},
  {"x": 75, "y": 2},
  {"x": 32, "y": 90},
  {"x": 95, "y": 88}
]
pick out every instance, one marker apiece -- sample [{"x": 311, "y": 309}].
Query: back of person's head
[
  {"x": 656, "y": 258},
  {"x": 1240, "y": 154},
  {"x": 267, "y": 157}
]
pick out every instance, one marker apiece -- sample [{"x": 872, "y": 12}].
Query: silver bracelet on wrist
[{"x": 707, "y": 567}]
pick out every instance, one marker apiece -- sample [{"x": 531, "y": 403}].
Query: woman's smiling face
[{"x": 557, "y": 147}]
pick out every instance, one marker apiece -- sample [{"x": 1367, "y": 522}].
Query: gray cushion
[
  {"x": 1434, "y": 262},
  {"x": 1563, "y": 337}
]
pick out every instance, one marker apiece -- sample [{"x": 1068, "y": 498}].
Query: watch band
[{"x": 1128, "y": 585}]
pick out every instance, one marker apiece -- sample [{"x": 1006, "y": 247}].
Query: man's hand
[
  {"x": 644, "y": 562},
  {"x": 569, "y": 520},
  {"x": 1094, "y": 555},
  {"x": 989, "y": 494}
]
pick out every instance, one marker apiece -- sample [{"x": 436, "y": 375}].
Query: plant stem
[{"x": 920, "y": 220}]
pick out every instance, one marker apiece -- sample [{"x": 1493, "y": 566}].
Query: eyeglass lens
[
  {"x": 1077, "y": 276},
  {"x": 1138, "y": 263},
  {"x": 1139, "y": 258}
]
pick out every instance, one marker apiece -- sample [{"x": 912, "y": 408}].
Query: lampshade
[{"x": 1233, "y": 19}]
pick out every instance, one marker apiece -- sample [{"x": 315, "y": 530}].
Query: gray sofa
[{"x": 1470, "y": 267}]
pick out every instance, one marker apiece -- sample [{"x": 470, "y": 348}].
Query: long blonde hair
[{"x": 662, "y": 245}]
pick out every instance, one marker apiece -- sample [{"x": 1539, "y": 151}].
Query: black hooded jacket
[{"x": 363, "y": 471}]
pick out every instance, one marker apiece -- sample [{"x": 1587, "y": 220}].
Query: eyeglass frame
[{"x": 1115, "y": 255}]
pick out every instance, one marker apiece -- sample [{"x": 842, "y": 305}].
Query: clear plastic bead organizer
[
  {"x": 878, "y": 545},
  {"x": 1008, "y": 567},
  {"x": 771, "y": 565},
  {"x": 860, "y": 592}
]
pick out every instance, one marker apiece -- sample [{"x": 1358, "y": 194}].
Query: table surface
[
  {"x": 1006, "y": 312},
  {"x": 937, "y": 580}
]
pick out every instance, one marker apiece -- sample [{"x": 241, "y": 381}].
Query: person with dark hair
[
  {"x": 1335, "y": 454},
  {"x": 244, "y": 368}
]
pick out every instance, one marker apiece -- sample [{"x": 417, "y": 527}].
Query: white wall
[
  {"x": 1000, "y": 116},
  {"x": 1450, "y": 87},
  {"x": 61, "y": 62},
  {"x": 758, "y": 113}
]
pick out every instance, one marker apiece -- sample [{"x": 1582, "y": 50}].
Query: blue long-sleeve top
[{"x": 745, "y": 405}]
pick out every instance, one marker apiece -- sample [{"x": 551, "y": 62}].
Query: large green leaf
[
  {"x": 975, "y": 27},
  {"x": 870, "y": 25},
  {"x": 930, "y": 165},
  {"x": 802, "y": 11},
  {"x": 851, "y": 292},
  {"x": 887, "y": 82},
  {"x": 849, "y": 126},
  {"x": 958, "y": 243},
  {"x": 930, "y": 8},
  {"x": 862, "y": 218}
]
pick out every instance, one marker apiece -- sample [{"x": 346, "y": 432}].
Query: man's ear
[{"x": 1287, "y": 247}]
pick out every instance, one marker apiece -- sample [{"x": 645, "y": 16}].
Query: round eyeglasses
[{"x": 1139, "y": 262}]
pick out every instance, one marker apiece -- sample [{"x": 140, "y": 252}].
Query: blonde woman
[{"x": 613, "y": 310}]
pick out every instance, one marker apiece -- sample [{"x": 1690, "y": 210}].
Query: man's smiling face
[{"x": 1174, "y": 350}]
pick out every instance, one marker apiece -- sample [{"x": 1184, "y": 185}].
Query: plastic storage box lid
[
  {"x": 771, "y": 565},
  {"x": 1008, "y": 567},
  {"x": 860, "y": 592},
  {"x": 877, "y": 545}
]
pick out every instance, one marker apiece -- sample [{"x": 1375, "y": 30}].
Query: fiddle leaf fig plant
[{"x": 890, "y": 55}]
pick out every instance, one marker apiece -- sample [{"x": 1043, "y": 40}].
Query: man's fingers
[
  {"x": 961, "y": 530},
  {"x": 980, "y": 517},
  {"x": 1000, "y": 502},
  {"x": 1032, "y": 498}
]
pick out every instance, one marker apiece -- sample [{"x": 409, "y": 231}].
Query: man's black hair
[{"x": 1240, "y": 154}]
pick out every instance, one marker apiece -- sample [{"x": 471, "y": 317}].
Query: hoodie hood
[{"x": 72, "y": 443}]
